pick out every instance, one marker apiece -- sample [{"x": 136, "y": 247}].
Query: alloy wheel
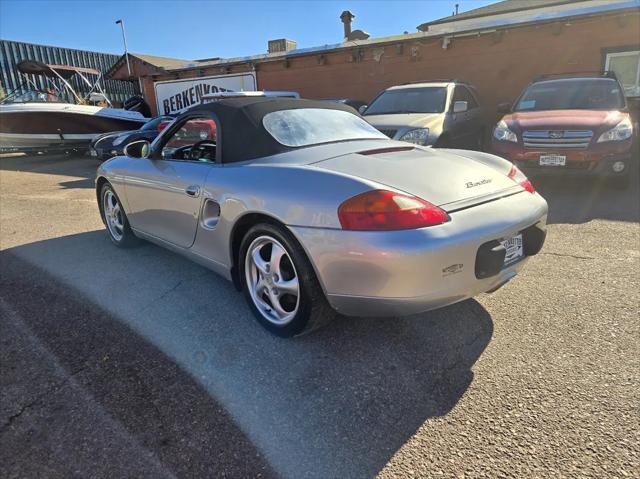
[
  {"x": 272, "y": 280},
  {"x": 113, "y": 215}
]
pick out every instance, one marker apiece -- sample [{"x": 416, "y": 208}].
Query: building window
[{"x": 626, "y": 66}]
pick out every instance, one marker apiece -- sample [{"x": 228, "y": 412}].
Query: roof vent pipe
[{"x": 347, "y": 17}]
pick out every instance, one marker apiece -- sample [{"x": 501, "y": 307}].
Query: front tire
[
  {"x": 279, "y": 282},
  {"x": 115, "y": 219}
]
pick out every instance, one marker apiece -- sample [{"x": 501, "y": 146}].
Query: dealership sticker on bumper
[
  {"x": 514, "y": 249},
  {"x": 553, "y": 160}
]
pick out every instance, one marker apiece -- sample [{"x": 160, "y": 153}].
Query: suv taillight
[
  {"x": 382, "y": 210},
  {"x": 519, "y": 177}
]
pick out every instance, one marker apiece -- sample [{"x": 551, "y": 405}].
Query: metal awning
[{"x": 34, "y": 67}]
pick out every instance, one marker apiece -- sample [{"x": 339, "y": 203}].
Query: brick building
[{"x": 499, "y": 49}]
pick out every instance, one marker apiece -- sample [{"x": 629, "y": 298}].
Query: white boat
[{"x": 58, "y": 117}]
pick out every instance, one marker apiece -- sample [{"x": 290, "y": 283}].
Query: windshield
[
  {"x": 153, "y": 124},
  {"x": 35, "y": 96},
  {"x": 581, "y": 94},
  {"x": 311, "y": 126},
  {"x": 409, "y": 100}
]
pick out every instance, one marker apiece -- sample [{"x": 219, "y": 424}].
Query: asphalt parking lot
[{"x": 140, "y": 363}]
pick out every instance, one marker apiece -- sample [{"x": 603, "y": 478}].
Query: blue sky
[{"x": 191, "y": 29}]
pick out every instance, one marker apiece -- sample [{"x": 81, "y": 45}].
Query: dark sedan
[{"x": 112, "y": 144}]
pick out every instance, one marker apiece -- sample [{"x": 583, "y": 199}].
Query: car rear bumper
[{"x": 405, "y": 272}]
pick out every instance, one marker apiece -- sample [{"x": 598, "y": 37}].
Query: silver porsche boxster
[{"x": 310, "y": 211}]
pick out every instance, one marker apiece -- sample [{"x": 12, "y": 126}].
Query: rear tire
[
  {"x": 279, "y": 282},
  {"x": 115, "y": 219}
]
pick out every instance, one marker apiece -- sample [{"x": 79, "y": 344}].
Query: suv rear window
[{"x": 580, "y": 94}]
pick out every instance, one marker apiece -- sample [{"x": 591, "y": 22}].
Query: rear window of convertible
[{"x": 312, "y": 126}]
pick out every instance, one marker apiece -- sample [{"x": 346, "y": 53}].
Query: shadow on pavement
[
  {"x": 337, "y": 403},
  {"x": 579, "y": 200},
  {"x": 168, "y": 413},
  {"x": 62, "y": 165},
  {"x": 84, "y": 183}
]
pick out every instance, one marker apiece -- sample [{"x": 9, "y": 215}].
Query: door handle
[{"x": 193, "y": 190}]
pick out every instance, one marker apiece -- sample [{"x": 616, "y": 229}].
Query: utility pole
[{"x": 124, "y": 38}]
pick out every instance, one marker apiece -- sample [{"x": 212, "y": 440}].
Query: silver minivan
[{"x": 444, "y": 114}]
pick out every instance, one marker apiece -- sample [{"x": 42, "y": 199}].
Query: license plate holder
[
  {"x": 553, "y": 160},
  {"x": 515, "y": 249}
]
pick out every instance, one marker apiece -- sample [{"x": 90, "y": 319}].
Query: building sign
[{"x": 175, "y": 96}]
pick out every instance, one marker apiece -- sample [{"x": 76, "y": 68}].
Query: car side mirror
[
  {"x": 504, "y": 108},
  {"x": 362, "y": 109},
  {"x": 460, "y": 106},
  {"x": 137, "y": 149}
]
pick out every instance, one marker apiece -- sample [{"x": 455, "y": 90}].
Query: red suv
[{"x": 569, "y": 125}]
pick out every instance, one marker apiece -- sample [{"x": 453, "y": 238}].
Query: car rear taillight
[
  {"x": 382, "y": 210},
  {"x": 519, "y": 177}
]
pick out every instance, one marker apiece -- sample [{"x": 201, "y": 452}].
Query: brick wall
[{"x": 499, "y": 64}]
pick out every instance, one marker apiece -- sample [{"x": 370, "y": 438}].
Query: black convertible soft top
[{"x": 243, "y": 136}]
